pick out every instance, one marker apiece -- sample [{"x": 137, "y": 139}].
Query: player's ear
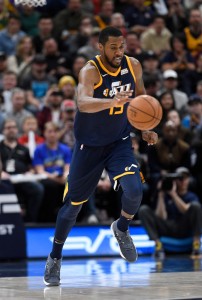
[{"x": 100, "y": 46}]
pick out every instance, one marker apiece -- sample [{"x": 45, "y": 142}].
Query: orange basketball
[{"x": 144, "y": 112}]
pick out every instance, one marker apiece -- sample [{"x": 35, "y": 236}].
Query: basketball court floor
[{"x": 177, "y": 277}]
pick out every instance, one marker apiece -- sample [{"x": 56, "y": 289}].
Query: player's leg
[
  {"x": 85, "y": 171},
  {"x": 123, "y": 170}
]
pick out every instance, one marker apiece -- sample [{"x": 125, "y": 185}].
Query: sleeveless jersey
[{"x": 109, "y": 125}]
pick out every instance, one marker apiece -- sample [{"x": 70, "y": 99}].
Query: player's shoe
[
  {"x": 126, "y": 245},
  {"x": 52, "y": 271}
]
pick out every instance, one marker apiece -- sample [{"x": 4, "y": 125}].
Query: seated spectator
[
  {"x": 11, "y": 35},
  {"x": 180, "y": 60},
  {"x": 51, "y": 111},
  {"x": 30, "y": 137},
  {"x": 170, "y": 83},
  {"x": 132, "y": 46},
  {"x": 29, "y": 17},
  {"x": 67, "y": 86},
  {"x": 103, "y": 18},
  {"x": 193, "y": 32},
  {"x": 3, "y": 67},
  {"x": 66, "y": 124},
  {"x": 36, "y": 83},
  {"x": 16, "y": 160},
  {"x": 20, "y": 62},
  {"x": 176, "y": 19},
  {"x": 177, "y": 213},
  {"x": 69, "y": 18},
  {"x": 197, "y": 76},
  {"x": 18, "y": 111},
  {"x": 194, "y": 117},
  {"x": 9, "y": 83},
  {"x": 45, "y": 28},
  {"x": 150, "y": 66},
  {"x": 156, "y": 38},
  {"x": 71, "y": 43},
  {"x": 169, "y": 153},
  {"x": 57, "y": 63},
  {"x": 138, "y": 16},
  {"x": 118, "y": 21},
  {"x": 52, "y": 159},
  {"x": 184, "y": 134},
  {"x": 91, "y": 48},
  {"x": 167, "y": 103},
  {"x": 78, "y": 63}
]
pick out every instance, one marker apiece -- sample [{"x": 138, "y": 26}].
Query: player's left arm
[{"x": 150, "y": 137}]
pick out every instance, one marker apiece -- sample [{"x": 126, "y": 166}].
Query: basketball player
[{"x": 102, "y": 131}]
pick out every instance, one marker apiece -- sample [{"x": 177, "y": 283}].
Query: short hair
[
  {"x": 107, "y": 32},
  {"x": 9, "y": 120},
  {"x": 51, "y": 125}
]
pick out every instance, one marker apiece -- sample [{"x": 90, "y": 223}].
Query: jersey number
[{"x": 117, "y": 87}]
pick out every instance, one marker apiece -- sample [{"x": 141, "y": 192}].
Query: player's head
[{"x": 111, "y": 45}]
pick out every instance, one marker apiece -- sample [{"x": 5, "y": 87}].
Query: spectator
[
  {"x": 118, "y": 21},
  {"x": 57, "y": 64},
  {"x": 67, "y": 85},
  {"x": 194, "y": 117},
  {"x": 103, "y": 18},
  {"x": 156, "y": 38},
  {"x": 133, "y": 47},
  {"x": 18, "y": 112},
  {"x": 52, "y": 110},
  {"x": 78, "y": 63},
  {"x": 69, "y": 18},
  {"x": 138, "y": 16},
  {"x": 20, "y": 62},
  {"x": 9, "y": 83},
  {"x": 91, "y": 49},
  {"x": 177, "y": 214},
  {"x": 151, "y": 66},
  {"x": 11, "y": 35},
  {"x": 176, "y": 19},
  {"x": 197, "y": 76},
  {"x": 37, "y": 82},
  {"x": 169, "y": 153},
  {"x": 170, "y": 83},
  {"x": 180, "y": 60},
  {"x": 184, "y": 134},
  {"x": 29, "y": 17},
  {"x": 193, "y": 32},
  {"x": 3, "y": 67},
  {"x": 16, "y": 160},
  {"x": 52, "y": 159},
  {"x": 45, "y": 28},
  {"x": 30, "y": 137},
  {"x": 4, "y": 15},
  {"x": 167, "y": 103},
  {"x": 71, "y": 43}
]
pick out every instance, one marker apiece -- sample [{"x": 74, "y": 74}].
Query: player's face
[{"x": 112, "y": 52}]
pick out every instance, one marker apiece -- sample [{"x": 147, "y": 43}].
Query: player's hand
[
  {"x": 150, "y": 137},
  {"x": 122, "y": 97}
]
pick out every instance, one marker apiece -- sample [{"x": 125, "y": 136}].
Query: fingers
[{"x": 123, "y": 95}]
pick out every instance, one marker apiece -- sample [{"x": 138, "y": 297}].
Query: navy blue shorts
[{"x": 87, "y": 165}]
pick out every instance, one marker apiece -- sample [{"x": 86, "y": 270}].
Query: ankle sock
[
  {"x": 57, "y": 250},
  {"x": 123, "y": 223}
]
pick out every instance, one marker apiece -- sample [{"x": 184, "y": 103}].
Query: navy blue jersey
[{"x": 109, "y": 125}]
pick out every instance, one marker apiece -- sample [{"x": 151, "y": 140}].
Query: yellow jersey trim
[
  {"x": 78, "y": 203},
  {"x": 130, "y": 67},
  {"x": 101, "y": 80},
  {"x": 123, "y": 174},
  {"x": 107, "y": 71}
]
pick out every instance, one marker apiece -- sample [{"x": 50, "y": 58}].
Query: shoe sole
[
  {"x": 111, "y": 227},
  {"x": 50, "y": 284}
]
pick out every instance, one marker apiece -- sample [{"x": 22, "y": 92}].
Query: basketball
[{"x": 144, "y": 112}]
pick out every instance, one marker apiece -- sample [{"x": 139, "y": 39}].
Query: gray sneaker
[
  {"x": 127, "y": 248},
  {"x": 52, "y": 271}
]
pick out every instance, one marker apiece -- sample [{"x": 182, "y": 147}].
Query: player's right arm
[{"x": 88, "y": 78}]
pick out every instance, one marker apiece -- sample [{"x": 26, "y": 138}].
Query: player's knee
[{"x": 69, "y": 211}]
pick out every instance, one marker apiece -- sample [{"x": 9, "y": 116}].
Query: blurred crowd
[{"x": 41, "y": 53}]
